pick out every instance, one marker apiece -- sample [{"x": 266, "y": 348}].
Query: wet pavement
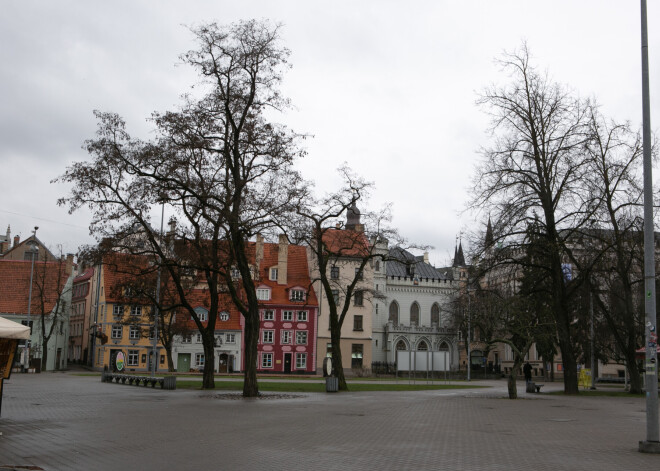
[{"x": 64, "y": 421}]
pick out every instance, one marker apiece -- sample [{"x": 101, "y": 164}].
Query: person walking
[{"x": 527, "y": 371}]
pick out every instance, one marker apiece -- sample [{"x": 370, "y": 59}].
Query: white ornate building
[{"x": 413, "y": 314}]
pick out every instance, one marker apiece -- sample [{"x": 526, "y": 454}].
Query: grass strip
[{"x": 320, "y": 387}]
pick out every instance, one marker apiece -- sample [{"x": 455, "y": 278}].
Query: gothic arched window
[
  {"x": 435, "y": 314},
  {"x": 414, "y": 314},
  {"x": 394, "y": 313}
]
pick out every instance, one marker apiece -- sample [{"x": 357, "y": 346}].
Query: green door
[{"x": 183, "y": 363}]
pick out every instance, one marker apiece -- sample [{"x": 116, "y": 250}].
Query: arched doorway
[{"x": 223, "y": 363}]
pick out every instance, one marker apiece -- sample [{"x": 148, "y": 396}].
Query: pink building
[{"x": 289, "y": 309}]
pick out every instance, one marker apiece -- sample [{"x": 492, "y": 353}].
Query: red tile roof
[
  {"x": 297, "y": 275},
  {"x": 15, "y": 283},
  {"x": 346, "y": 243}
]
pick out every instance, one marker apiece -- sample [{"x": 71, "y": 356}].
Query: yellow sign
[{"x": 585, "y": 378}]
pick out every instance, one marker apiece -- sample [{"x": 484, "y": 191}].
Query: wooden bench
[{"x": 165, "y": 383}]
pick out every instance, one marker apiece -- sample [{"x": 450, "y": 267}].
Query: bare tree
[
  {"x": 534, "y": 170},
  {"x": 218, "y": 163},
  {"x": 615, "y": 241},
  {"x": 51, "y": 300},
  {"x": 344, "y": 245}
]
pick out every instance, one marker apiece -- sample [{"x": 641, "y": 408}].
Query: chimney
[
  {"x": 172, "y": 224},
  {"x": 259, "y": 255},
  {"x": 282, "y": 259},
  {"x": 17, "y": 240},
  {"x": 426, "y": 257},
  {"x": 68, "y": 268}
]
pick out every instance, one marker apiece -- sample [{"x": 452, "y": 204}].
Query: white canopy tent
[{"x": 13, "y": 330}]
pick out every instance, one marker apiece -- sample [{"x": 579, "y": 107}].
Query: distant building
[
  {"x": 122, "y": 324},
  {"x": 289, "y": 309},
  {"x": 50, "y": 299},
  {"x": 413, "y": 317},
  {"x": 81, "y": 315},
  {"x": 351, "y": 244}
]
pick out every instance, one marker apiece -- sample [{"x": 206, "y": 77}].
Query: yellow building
[{"x": 122, "y": 330}]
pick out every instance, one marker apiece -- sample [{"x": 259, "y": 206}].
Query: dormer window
[
  {"x": 297, "y": 295},
  {"x": 273, "y": 274},
  {"x": 202, "y": 314},
  {"x": 263, "y": 294},
  {"x": 235, "y": 274},
  {"x": 224, "y": 316}
]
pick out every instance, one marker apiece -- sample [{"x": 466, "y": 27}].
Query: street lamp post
[
  {"x": 33, "y": 247},
  {"x": 469, "y": 360},
  {"x": 652, "y": 442},
  {"x": 155, "y": 339}
]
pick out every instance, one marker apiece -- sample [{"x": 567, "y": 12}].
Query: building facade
[
  {"x": 347, "y": 248},
  {"x": 413, "y": 324},
  {"x": 79, "y": 321},
  {"x": 289, "y": 309},
  {"x": 123, "y": 331}
]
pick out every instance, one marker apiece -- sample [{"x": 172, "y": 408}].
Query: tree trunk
[
  {"x": 170, "y": 360},
  {"x": 208, "y": 378},
  {"x": 335, "y": 339},
  {"x": 511, "y": 384},
  {"x": 337, "y": 360},
  {"x": 44, "y": 355},
  {"x": 250, "y": 386},
  {"x": 561, "y": 314}
]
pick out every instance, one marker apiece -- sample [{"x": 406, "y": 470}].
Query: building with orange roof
[
  {"x": 81, "y": 314},
  {"x": 122, "y": 323},
  {"x": 187, "y": 348},
  {"x": 349, "y": 247},
  {"x": 50, "y": 295},
  {"x": 289, "y": 313}
]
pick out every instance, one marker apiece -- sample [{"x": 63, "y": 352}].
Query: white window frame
[
  {"x": 134, "y": 332},
  {"x": 117, "y": 331},
  {"x": 286, "y": 337},
  {"x": 224, "y": 316},
  {"x": 136, "y": 310},
  {"x": 200, "y": 360},
  {"x": 301, "y": 337},
  {"x": 297, "y": 295},
  {"x": 268, "y": 336},
  {"x": 273, "y": 274},
  {"x": 266, "y": 360},
  {"x": 118, "y": 310},
  {"x": 287, "y": 316},
  {"x": 269, "y": 315},
  {"x": 302, "y": 316},
  {"x": 230, "y": 338},
  {"x": 301, "y": 361},
  {"x": 133, "y": 358},
  {"x": 263, "y": 294},
  {"x": 186, "y": 338}
]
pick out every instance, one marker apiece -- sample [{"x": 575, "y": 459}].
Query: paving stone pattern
[{"x": 61, "y": 421}]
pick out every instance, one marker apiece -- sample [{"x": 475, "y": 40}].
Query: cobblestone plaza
[{"x": 62, "y": 421}]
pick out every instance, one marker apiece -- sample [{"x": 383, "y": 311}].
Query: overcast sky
[{"x": 387, "y": 86}]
